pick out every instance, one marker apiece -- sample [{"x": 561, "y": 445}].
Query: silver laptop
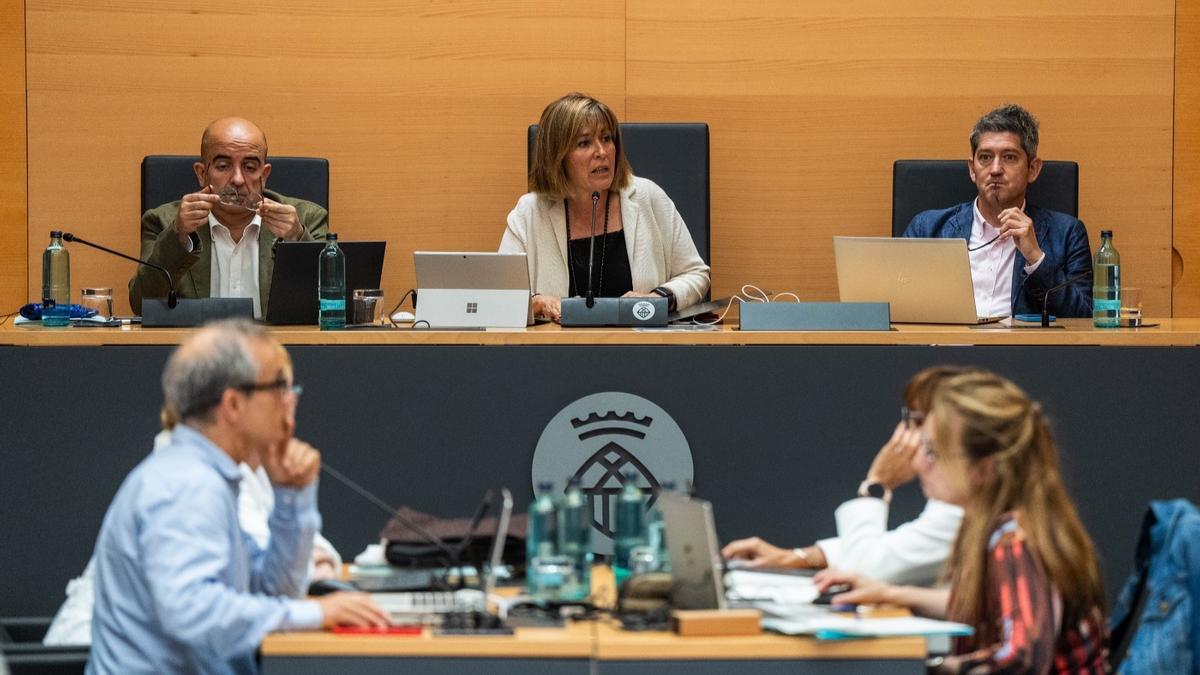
[
  {"x": 924, "y": 280},
  {"x": 697, "y": 569},
  {"x": 472, "y": 290}
]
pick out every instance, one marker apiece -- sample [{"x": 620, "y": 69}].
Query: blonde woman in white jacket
[{"x": 642, "y": 246}]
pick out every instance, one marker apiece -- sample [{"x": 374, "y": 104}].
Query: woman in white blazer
[
  {"x": 580, "y": 173},
  {"x": 912, "y": 553}
]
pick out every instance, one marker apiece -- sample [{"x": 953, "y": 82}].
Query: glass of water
[
  {"x": 1131, "y": 306},
  {"x": 99, "y": 299}
]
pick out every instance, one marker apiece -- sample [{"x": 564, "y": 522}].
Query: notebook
[{"x": 923, "y": 280}]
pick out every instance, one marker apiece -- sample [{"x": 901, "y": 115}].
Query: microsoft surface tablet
[{"x": 472, "y": 290}]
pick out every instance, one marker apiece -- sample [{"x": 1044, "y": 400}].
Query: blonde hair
[
  {"x": 1002, "y": 426},
  {"x": 561, "y": 123}
]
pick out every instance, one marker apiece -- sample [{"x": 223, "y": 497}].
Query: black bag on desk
[{"x": 404, "y": 547}]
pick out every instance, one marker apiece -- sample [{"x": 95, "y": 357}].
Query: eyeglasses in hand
[{"x": 230, "y": 196}]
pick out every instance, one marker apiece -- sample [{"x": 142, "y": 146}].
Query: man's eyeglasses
[
  {"x": 229, "y": 196},
  {"x": 280, "y": 383}
]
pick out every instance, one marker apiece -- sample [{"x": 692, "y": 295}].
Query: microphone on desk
[
  {"x": 591, "y": 294},
  {"x": 172, "y": 298},
  {"x": 1046, "y": 296}
]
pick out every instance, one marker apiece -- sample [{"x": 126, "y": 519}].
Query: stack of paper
[{"x": 839, "y": 626}]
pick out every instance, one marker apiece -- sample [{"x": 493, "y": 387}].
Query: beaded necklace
[{"x": 603, "y": 247}]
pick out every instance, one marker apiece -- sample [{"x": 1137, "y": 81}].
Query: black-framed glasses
[
  {"x": 911, "y": 418},
  {"x": 989, "y": 242},
  {"x": 280, "y": 383}
]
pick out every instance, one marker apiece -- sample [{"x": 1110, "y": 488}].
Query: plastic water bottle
[
  {"x": 56, "y": 271},
  {"x": 1106, "y": 288},
  {"x": 575, "y": 540},
  {"x": 656, "y": 531},
  {"x": 631, "y": 525},
  {"x": 331, "y": 295},
  {"x": 541, "y": 540}
]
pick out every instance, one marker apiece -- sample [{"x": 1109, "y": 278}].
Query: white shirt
[
  {"x": 235, "y": 265},
  {"x": 72, "y": 624},
  {"x": 913, "y": 553},
  {"x": 992, "y": 266}
]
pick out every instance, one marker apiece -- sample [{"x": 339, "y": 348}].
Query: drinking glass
[
  {"x": 367, "y": 305},
  {"x": 98, "y": 298},
  {"x": 1131, "y": 306}
]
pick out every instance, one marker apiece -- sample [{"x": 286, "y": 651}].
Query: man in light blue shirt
[{"x": 179, "y": 586}]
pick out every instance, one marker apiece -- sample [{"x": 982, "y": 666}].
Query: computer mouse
[
  {"x": 327, "y": 586},
  {"x": 826, "y": 598},
  {"x": 404, "y": 317}
]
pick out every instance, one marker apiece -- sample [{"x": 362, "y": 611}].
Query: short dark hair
[{"x": 1009, "y": 117}]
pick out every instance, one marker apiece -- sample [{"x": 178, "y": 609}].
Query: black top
[{"x": 612, "y": 280}]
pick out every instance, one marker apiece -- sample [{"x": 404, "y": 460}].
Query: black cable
[
  {"x": 413, "y": 293},
  {"x": 5, "y": 317}
]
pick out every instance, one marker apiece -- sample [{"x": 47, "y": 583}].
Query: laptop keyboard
[{"x": 427, "y": 607}]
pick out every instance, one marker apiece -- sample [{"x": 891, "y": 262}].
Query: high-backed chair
[
  {"x": 166, "y": 178},
  {"x": 922, "y": 184},
  {"x": 674, "y": 155}
]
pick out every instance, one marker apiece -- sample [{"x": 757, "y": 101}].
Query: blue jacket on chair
[
  {"x": 1062, "y": 238},
  {"x": 1161, "y": 600}
]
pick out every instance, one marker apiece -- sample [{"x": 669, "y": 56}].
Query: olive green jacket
[{"x": 192, "y": 271}]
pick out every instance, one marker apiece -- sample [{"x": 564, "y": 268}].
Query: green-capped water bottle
[
  {"x": 331, "y": 286},
  {"x": 541, "y": 540},
  {"x": 1106, "y": 288},
  {"x": 56, "y": 271},
  {"x": 575, "y": 540},
  {"x": 631, "y": 525}
]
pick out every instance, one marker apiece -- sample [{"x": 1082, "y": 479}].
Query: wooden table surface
[{"x": 1169, "y": 332}]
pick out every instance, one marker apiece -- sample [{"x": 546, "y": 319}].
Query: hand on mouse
[{"x": 863, "y": 590}]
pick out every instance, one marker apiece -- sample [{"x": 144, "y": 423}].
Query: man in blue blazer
[{"x": 1021, "y": 251}]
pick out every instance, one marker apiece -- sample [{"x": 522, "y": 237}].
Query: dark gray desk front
[{"x": 779, "y": 434}]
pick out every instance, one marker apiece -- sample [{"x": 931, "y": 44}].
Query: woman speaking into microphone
[{"x": 585, "y": 210}]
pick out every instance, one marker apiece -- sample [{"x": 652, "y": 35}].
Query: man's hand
[
  {"x": 892, "y": 467},
  {"x": 758, "y": 553},
  {"x": 281, "y": 219},
  {"x": 351, "y": 609},
  {"x": 548, "y": 306},
  {"x": 1015, "y": 225},
  {"x": 292, "y": 463},
  {"x": 193, "y": 212}
]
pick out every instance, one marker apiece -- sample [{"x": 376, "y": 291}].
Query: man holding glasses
[
  {"x": 216, "y": 242},
  {"x": 179, "y": 586},
  {"x": 1017, "y": 250}
]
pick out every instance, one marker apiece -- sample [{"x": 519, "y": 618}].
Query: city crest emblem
[{"x": 601, "y": 439}]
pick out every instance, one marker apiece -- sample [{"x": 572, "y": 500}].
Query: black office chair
[
  {"x": 923, "y": 184},
  {"x": 23, "y": 651},
  {"x": 166, "y": 178},
  {"x": 674, "y": 155}
]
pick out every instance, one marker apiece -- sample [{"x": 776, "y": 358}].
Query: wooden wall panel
[
  {"x": 1187, "y": 159},
  {"x": 13, "y": 231},
  {"x": 809, "y": 104},
  {"x": 421, "y": 107}
]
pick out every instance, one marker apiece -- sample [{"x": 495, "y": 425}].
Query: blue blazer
[{"x": 1062, "y": 238}]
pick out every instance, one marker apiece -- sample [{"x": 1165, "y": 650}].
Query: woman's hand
[
  {"x": 863, "y": 590},
  {"x": 547, "y": 306}
]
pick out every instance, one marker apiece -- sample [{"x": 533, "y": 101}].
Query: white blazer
[
  {"x": 661, "y": 251},
  {"x": 913, "y": 553}
]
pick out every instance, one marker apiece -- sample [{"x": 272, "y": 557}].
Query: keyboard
[{"x": 427, "y": 608}]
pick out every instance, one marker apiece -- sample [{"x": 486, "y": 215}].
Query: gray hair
[
  {"x": 216, "y": 358},
  {"x": 1009, "y": 117}
]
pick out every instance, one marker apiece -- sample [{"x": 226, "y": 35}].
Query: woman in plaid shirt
[{"x": 1023, "y": 571}]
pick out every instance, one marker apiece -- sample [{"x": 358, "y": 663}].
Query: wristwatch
[
  {"x": 666, "y": 293},
  {"x": 875, "y": 489}
]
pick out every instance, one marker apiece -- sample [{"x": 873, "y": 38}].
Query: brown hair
[
  {"x": 918, "y": 393},
  {"x": 1001, "y": 425},
  {"x": 561, "y": 123}
]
